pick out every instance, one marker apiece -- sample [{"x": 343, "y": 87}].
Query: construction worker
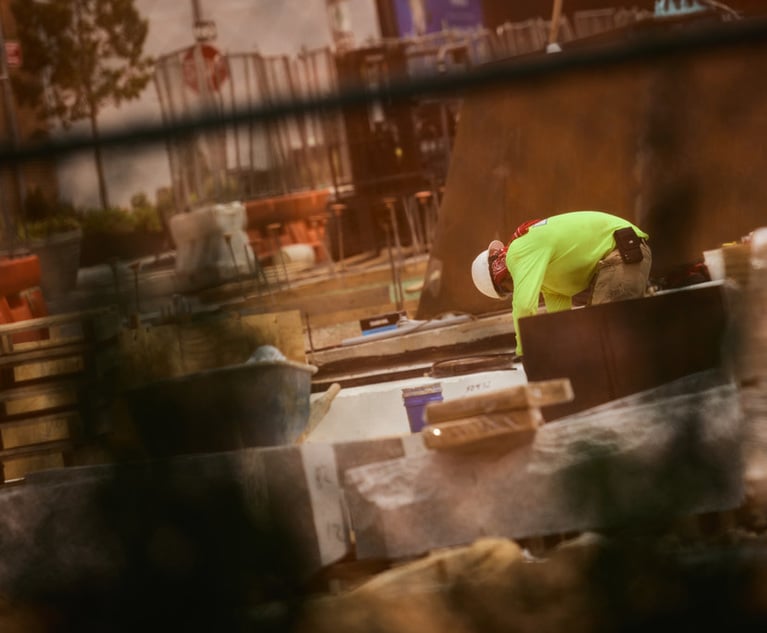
[{"x": 562, "y": 256}]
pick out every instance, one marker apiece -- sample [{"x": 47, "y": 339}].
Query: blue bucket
[{"x": 416, "y": 399}]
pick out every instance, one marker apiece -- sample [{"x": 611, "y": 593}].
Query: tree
[{"x": 80, "y": 56}]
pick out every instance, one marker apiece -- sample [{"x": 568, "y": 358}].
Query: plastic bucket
[
  {"x": 714, "y": 260},
  {"x": 416, "y": 399}
]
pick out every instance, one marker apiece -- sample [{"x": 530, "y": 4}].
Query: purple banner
[{"x": 417, "y": 17}]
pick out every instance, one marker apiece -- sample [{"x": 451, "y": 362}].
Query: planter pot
[
  {"x": 59, "y": 256},
  {"x": 263, "y": 403}
]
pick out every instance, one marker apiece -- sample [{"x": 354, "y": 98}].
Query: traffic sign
[
  {"x": 205, "y": 60},
  {"x": 13, "y": 53},
  {"x": 204, "y": 30}
]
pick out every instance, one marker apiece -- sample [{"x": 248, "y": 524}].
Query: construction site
[{"x": 293, "y": 406}]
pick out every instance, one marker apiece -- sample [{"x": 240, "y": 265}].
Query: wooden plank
[
  {"x": 19, "y": 357},
  {"x": 467, "y": 332},
  {"x": 497, "y": 430},
  {"x": 60, "y": 367},
  {"x": 41, "y": 389},
  {"x": 48, "y": 417},
  {"x": 55, "y": 320},
  {"x": 317, "y": 304},
  {"x": 40, "y": 418},
  {"x": 20, "y": 467},
  {"x": 52, "y": 399},
  {"x": 318, "y": 410},
  {"x": 42, "y": 448},
  {"x": 52, "y": 428},
  {"x": 536, "y": 394},
  {"x": 61, "y": 334}
]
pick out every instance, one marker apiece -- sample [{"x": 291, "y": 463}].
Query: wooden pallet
[{"x": 54, "y": 388}]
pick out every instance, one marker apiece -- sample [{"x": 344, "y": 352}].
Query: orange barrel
[
  {"x": 18, "y": 274},
  {"x": 20, "y": 296}
]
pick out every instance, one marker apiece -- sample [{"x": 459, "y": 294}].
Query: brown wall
[{"x": 678, "y": 146}]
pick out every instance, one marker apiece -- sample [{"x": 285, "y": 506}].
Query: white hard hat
[{"x": 480, "y": 275}]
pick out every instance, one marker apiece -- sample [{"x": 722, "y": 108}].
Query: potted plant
[
  {"x": 121, "y": 233},
  {"x": 51, "y": 230}
]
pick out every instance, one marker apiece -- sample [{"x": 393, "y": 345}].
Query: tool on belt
[{"x": 629, "y": 245}]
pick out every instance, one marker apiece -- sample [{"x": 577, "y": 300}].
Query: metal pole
[
  {"x": 556, "y": 14},
  {"x": 135, "y": 266},
  {"x": 228, "y": 239},
  {"x": 10, "y": 116},
  {"x": 196, "y": 11},
  {"x": 395, "y": 277},
  {"x": 338, "y": 213}
]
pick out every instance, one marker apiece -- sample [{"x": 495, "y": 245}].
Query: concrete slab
[
  {"x": 278, "y": 509},
  {"x": 72, "y": 523},
  {"x": 673, "y": 456}
]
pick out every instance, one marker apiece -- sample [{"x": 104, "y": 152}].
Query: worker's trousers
[{"x": 615, "y": 281}]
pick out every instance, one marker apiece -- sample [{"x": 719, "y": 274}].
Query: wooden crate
[{"x": 54, "y": 388}]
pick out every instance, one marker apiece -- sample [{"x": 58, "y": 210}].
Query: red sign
[
  {"x": 204, "y": 62},
  {"x": 13, "y": 54}
]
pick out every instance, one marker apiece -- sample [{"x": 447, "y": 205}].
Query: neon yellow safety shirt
[{"x": 557, "y": 257}]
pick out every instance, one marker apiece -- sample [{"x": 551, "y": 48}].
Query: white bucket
[
  {"x": 759, "y": 247},
  {"x": 298, "y": 254},
  {"x": 714, "y": 261}
]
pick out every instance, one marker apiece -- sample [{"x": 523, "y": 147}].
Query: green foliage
[
  {"x": 145, "y": 216},
  {"x": 44, "y": 217},
  {"x": 139, "y": 200},
  {"x": 221, "y": 190},
  {"x": 40, "y": 229},
  {"x": 37, "y": 206},
  {"x": 90, "y": 52},
  {"x": 111, "y": 220},
  {"x": 80, "y": 56},
  {"x": 142, "y": 217},
  {"x": 166, "y": 205}
]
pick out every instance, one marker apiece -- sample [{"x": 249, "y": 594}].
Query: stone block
[
  {"x": 97, "y": 521},
  {"x": 282, "y": 504},
  {"x": 677, "y": 455}
]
